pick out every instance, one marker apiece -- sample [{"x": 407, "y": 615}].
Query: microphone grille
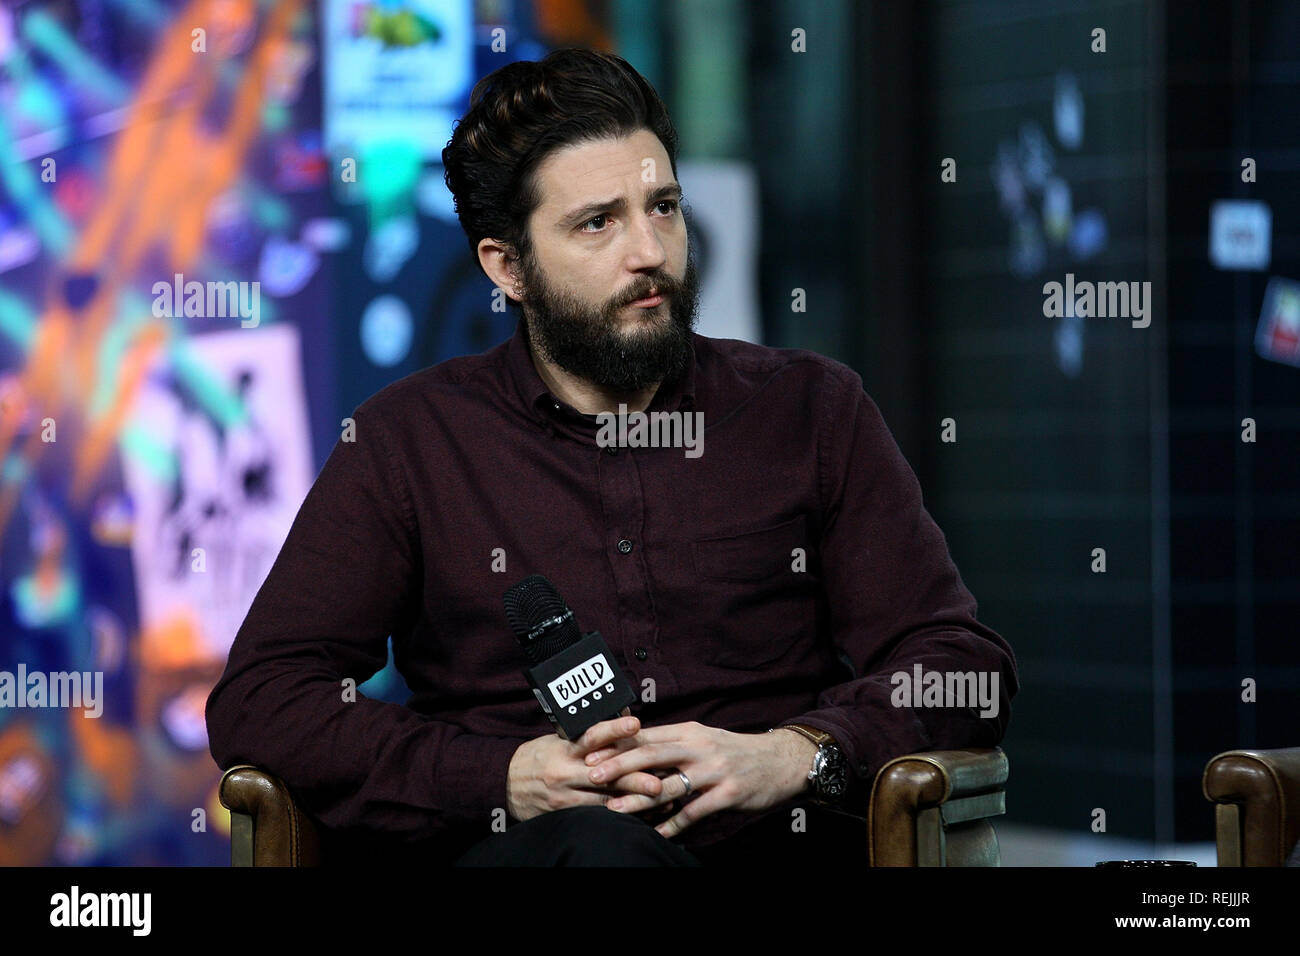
[{"x": 542, "y": 622}]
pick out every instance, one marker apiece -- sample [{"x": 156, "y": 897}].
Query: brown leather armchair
[
  {"x": 935, "y": 809},
  {"x": 926, "y": 809},
  {"x": 1256, "y": 797}
]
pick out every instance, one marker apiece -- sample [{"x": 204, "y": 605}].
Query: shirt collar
[{"x": 547, "y": 408}]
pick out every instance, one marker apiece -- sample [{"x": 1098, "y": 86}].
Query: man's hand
[
  {"x": 727, "y": 770},
  {"x": 548, "y": 773}
]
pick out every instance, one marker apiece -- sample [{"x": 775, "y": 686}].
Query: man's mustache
[{"x": 664, "y": 287}]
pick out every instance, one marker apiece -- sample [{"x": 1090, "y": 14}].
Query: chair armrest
[
  {"x": 1257, "y": 805},
  {"x": 266, "y": 827},
  {"x": 932, "y": 808}
]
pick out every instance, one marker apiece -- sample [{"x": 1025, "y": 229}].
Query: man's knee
[
  {"x": 586, "y": 821},
  {"x": 596, "y": 836},
  {"x": 579, "y": 836}
]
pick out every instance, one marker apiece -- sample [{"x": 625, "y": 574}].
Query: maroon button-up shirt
[{"x": 782, "y": 576}]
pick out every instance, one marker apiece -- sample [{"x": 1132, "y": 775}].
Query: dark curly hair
[{"x": 521, "y": 113}]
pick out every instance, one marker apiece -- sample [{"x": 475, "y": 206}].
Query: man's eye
[{"x": 672, "y": 203}]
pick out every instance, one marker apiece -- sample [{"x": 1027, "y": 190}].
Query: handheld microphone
[{"x": 573, "y": 675}]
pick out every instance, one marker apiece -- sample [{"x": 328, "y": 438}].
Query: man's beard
[{"x": 589, "y": 344}]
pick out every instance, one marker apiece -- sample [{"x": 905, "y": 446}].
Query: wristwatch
[{"x": 829, "y": 776}]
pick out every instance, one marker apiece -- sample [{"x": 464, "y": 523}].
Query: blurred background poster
[
  {"x": 394, "y": 72},
  {"x": 216, "y": 488}
]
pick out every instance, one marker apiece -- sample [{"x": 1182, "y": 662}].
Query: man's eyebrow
[{"x": 666, "y": 191}]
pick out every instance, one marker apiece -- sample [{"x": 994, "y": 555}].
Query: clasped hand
[{"x": 628, "y": 769}]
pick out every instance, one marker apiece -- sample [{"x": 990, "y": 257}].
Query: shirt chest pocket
[{"x": 762, "y": 589}]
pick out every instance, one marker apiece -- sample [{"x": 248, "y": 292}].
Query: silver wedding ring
[{"x": 686, "y": 781}]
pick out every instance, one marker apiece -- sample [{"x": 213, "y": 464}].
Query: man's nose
[{"x": 647, "y": 248}]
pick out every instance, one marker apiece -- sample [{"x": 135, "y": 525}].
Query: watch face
[{"x": 832, "y": 773}]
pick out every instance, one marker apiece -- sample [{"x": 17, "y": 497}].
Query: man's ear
[{"x": 501, "y": 264}]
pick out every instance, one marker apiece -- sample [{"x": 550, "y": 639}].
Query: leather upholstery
[
  {"x": 1257, "y": 805},
  {"x": 266, "y": 827},
  {"x": 927, "y": 809},
  {"x": 933, "y": 809}
]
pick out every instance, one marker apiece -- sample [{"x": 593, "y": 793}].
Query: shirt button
[
  {"x": 555, "y": 406},
  {"x": 640, "y": 653},
  {"x": 611, "y": 450},
  {"x": 624, "y": 546}
]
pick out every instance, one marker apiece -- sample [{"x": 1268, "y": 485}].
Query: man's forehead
[{"x": 592, "y": 168}]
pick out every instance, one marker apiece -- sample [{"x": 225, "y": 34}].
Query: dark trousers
[{"x": 595, "y": 836}]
